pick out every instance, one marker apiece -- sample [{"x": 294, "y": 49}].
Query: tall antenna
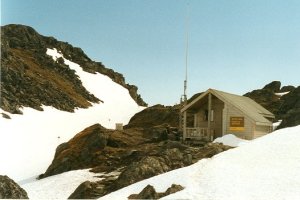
[{"x": 184, "y": 100}]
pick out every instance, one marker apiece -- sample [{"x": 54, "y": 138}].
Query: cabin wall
[
  {"x": 247, "y": 132},
  {"x": 261, "y": 131}
]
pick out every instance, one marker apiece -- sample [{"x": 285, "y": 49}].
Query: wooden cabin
[{"x": 218, "y": 113}]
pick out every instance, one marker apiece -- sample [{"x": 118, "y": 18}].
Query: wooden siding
[
  {"x": 261, "y": 131},
  {"x": 247, "y": 133}
]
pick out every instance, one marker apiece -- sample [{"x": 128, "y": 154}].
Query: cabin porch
[
  {"x": 203, "y": 121},
  {"x": 199, "y": 133}
]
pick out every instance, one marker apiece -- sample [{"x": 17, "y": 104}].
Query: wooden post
[{"x": 209, "y": 115}]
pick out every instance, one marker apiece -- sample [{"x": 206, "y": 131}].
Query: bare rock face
[
  {"x": 154, "y": 116},
  {"x": 290, "y": 109},
  {"x": 273, "y": 86},
  {"x": 149, "y": 192},
  {"x": 85, "y": 189},
  {"x": 146, "y": 168},
  {"x": 80, "y": 151},
  {"x": 9, "y": 189},
  {"x": 285, "y": 108}
]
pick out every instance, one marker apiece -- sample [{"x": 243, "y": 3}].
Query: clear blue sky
[{"x": 235, "y": 45}]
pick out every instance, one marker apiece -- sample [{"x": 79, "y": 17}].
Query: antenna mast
[{"x": 184, "y": 100}]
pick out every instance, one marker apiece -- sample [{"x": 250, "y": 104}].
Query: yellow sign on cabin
[{"x": 237, "y": 124}]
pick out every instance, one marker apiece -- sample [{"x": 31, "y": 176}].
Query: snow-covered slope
[
  {"x": 28, "y": 141},
  {"x": 265, "y": 168}
]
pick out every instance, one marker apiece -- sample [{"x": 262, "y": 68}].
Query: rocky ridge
[{"x": 31, "y": 78}]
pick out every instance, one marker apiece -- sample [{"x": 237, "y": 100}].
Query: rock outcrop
[
  {"x": 96, "y": 146},
  {"x": 134, "y": 152},
  {"x": 149, "y": 192},
  {"x": 9, "y": 189},
  {"x": 285, "y": 107},
  {"x": 154, "y": 116},
  {"x": 30, "y": 78}
]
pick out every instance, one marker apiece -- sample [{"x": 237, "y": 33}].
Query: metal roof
[{"x": 246, "y": 105}]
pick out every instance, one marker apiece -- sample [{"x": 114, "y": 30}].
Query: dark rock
[
  {"x": 4, "y": 115},
  {"x": 97, "y": 147},
  {"x": 80, "y": 152},
  {"x": 173, "y": 189},
  {"x": 86, "y": 190},
  {"x": 290, "y": 109},
  {"x": 285, "y": 108},
  {"x": 155, "y": 116},
  {"x": 9, "y": 189},
  {"x": 273, "y": 86},
  {"x": 288, "y": 88},
  {"x": 146, "y": 168},
  {"x": 147, "y": 193}
]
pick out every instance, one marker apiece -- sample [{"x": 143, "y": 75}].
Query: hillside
[
  {"x": 30, "y": 78},
  {"x": 46, "y": 97}
]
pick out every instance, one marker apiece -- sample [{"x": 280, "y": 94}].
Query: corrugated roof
[{"x": 249, "y": 107}]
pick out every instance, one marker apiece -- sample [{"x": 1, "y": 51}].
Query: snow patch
[
  {"x": 281, "y": 93},
  {"x": 266, "y": 168},
  {"x": 58, "y": 186},
  {"x": 231, "y": 140}
]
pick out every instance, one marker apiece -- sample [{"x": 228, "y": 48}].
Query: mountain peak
[{"x": 30, "y": 78}]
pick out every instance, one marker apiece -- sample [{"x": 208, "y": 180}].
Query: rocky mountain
[
  {"x": 284, "y": 102},
  {"x": 31, "y": 78}
]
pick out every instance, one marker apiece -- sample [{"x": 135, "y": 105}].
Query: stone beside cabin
[{"x": 216, "y": 113}]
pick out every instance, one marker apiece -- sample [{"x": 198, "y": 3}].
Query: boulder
[
  {"x": 137, "y": 171},
  {"x": 173, "y": 189},
  {"x": 80, "y": 152},
  {"x": 86, "y": 190},
  {"x": 149, "y": 192},
  {"x": 9, "y": 189}
]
